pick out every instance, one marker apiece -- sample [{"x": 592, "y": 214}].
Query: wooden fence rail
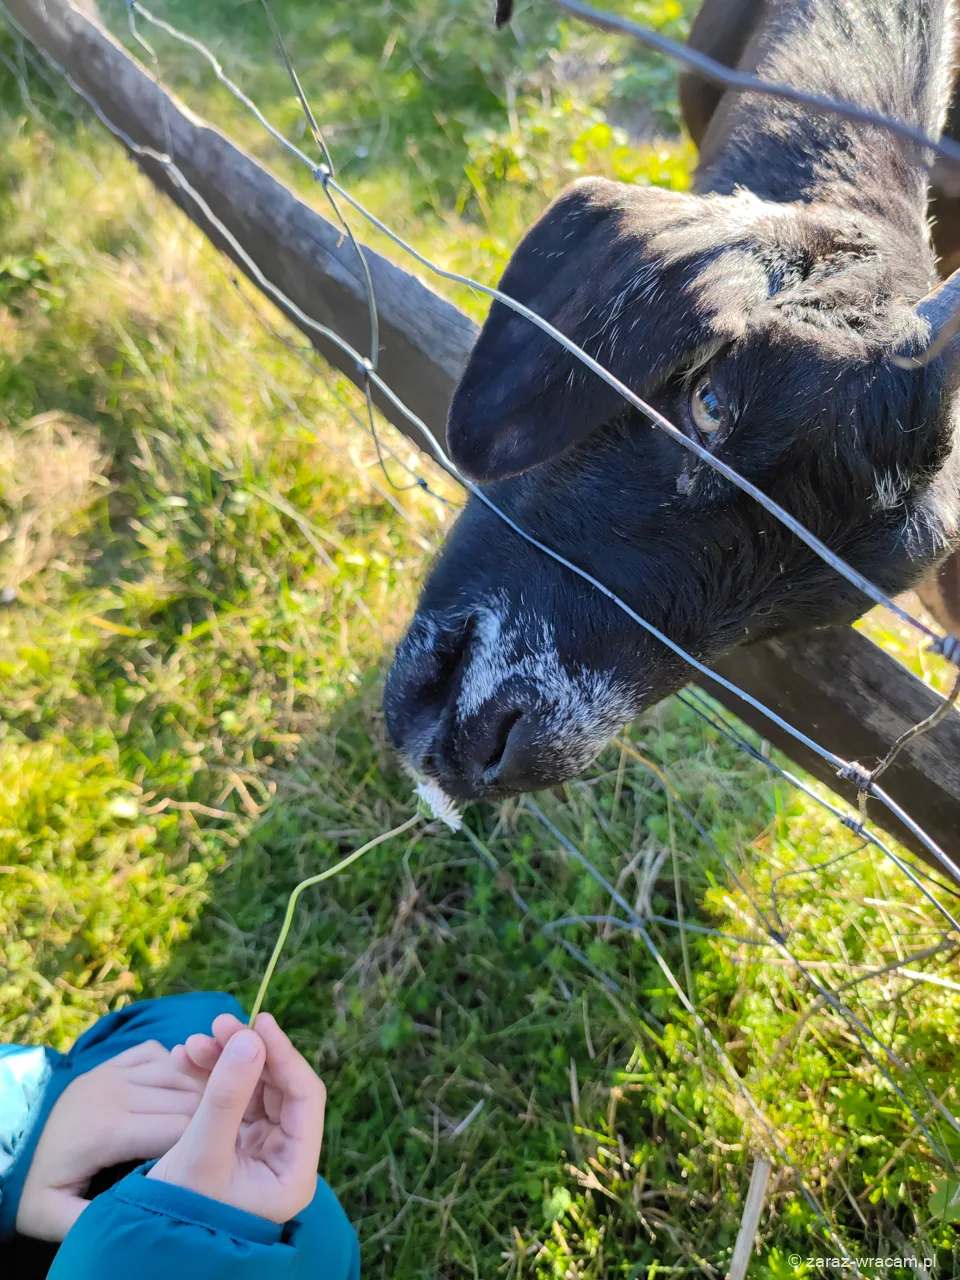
[{"x": 836, "y": 686}]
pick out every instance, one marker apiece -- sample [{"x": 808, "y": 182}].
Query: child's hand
[
  {"x": 254, "y": 1142},
  {"x": 134, "y": 1107}
]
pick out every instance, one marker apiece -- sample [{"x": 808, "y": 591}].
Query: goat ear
[{"x": 584, "y": 267}]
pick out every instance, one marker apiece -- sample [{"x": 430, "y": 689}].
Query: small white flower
[{"x": 438, "y": 804}]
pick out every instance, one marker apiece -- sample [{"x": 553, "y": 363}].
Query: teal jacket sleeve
[{"x": 154, "y": 1231}]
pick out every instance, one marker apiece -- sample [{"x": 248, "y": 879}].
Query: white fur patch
[
  {"x": 582, "y": 708},
  {"x": 891, "y": 489}
]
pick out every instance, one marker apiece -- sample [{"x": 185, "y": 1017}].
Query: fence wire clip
[
  {"x": 853, "y": 771},
  {"x": 853, "y": 824},
  {"x": 321, "y": 173}
]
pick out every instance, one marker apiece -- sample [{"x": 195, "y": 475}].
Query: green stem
[{"x": 306, "y": 884}]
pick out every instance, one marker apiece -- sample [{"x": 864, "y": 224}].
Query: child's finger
[
  {"x": 209, "y": 1143},
  {"x": 186, "y": 1066},
  {"x": 139, "y": 1054},
  {"x": 53, "y": 1215},
  {"x": 175, "y": 1073},
  {"x": 288, "y": 1068},
  {"x": 202, "y": 1051},
  {"x": 153, "y": 1100},
  {"x": 225, "y": 1026},
  {"x": 303, "y": 1094}
]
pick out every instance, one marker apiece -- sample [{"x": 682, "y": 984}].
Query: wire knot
[
  {"x": 853, "y": 771},
  {"x": 947, "y": 647},
  {"x": 853, "y": 824},
  {"x": 364, "y": 366},
  {"x": 321, "y": 173}
]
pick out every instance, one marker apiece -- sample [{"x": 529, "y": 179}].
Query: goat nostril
[
  {"x": 492, "y": 766},
  {"x": 454, "y": 660},
  {"x": 449, "y": 658}
]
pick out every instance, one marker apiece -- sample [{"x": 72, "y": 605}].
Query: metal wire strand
[
  {"x": 779, "y": 941},
  {"x": 729, "y": 1069},
  {"x": 745, "y": 82},
  {"x": 916, "y": 731},
  {"x": 702, "y": 707},
  {"x": 325, "y": 173},
  {"x": 575, "y": 952},
  {"x": 417, "y": 481},
  {"x": 298, "y": 88},
  {"x": 778, "y": 936},
  {"x": 856, "y": 1025}
]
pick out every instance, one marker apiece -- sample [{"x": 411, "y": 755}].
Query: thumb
[{"x": 211, "y": 1135}]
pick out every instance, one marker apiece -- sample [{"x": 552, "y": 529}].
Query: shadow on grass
[{"x": 451, "y": 1030}]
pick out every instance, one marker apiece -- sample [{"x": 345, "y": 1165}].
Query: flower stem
[{"x": 306, "y": 884}]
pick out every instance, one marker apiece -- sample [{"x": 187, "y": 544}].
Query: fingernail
[{"x": 243, "y": 1047}]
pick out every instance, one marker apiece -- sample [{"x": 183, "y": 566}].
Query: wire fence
[
  {"x": 775, "y": 937},
  {"x": 948, "y": 646}
]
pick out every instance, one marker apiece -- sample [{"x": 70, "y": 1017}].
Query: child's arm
[{"x": 238, "y": 1194}]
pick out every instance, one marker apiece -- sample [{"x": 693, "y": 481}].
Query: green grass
[{"x": 210, "y": 570}]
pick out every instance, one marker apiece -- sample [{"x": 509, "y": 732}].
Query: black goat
[{"x": 760, "y": 315}]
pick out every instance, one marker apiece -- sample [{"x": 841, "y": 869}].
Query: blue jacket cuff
[{"x": 190, "y": 1206}]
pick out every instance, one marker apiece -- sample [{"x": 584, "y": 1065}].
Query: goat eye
[{"x": 705, "y": 408}]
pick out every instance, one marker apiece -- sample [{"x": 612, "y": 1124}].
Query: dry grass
[{"x": 50, "y": 476}]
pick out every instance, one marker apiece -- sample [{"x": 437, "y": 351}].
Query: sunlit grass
[{"x": 209, "y": 569}]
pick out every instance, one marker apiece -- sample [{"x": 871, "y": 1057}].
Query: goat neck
[{"x": 894, "y": 57}]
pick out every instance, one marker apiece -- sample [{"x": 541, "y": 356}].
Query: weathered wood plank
[
  {"x": 835, "y": 686},
  {"x": 846, "y": 693}
]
